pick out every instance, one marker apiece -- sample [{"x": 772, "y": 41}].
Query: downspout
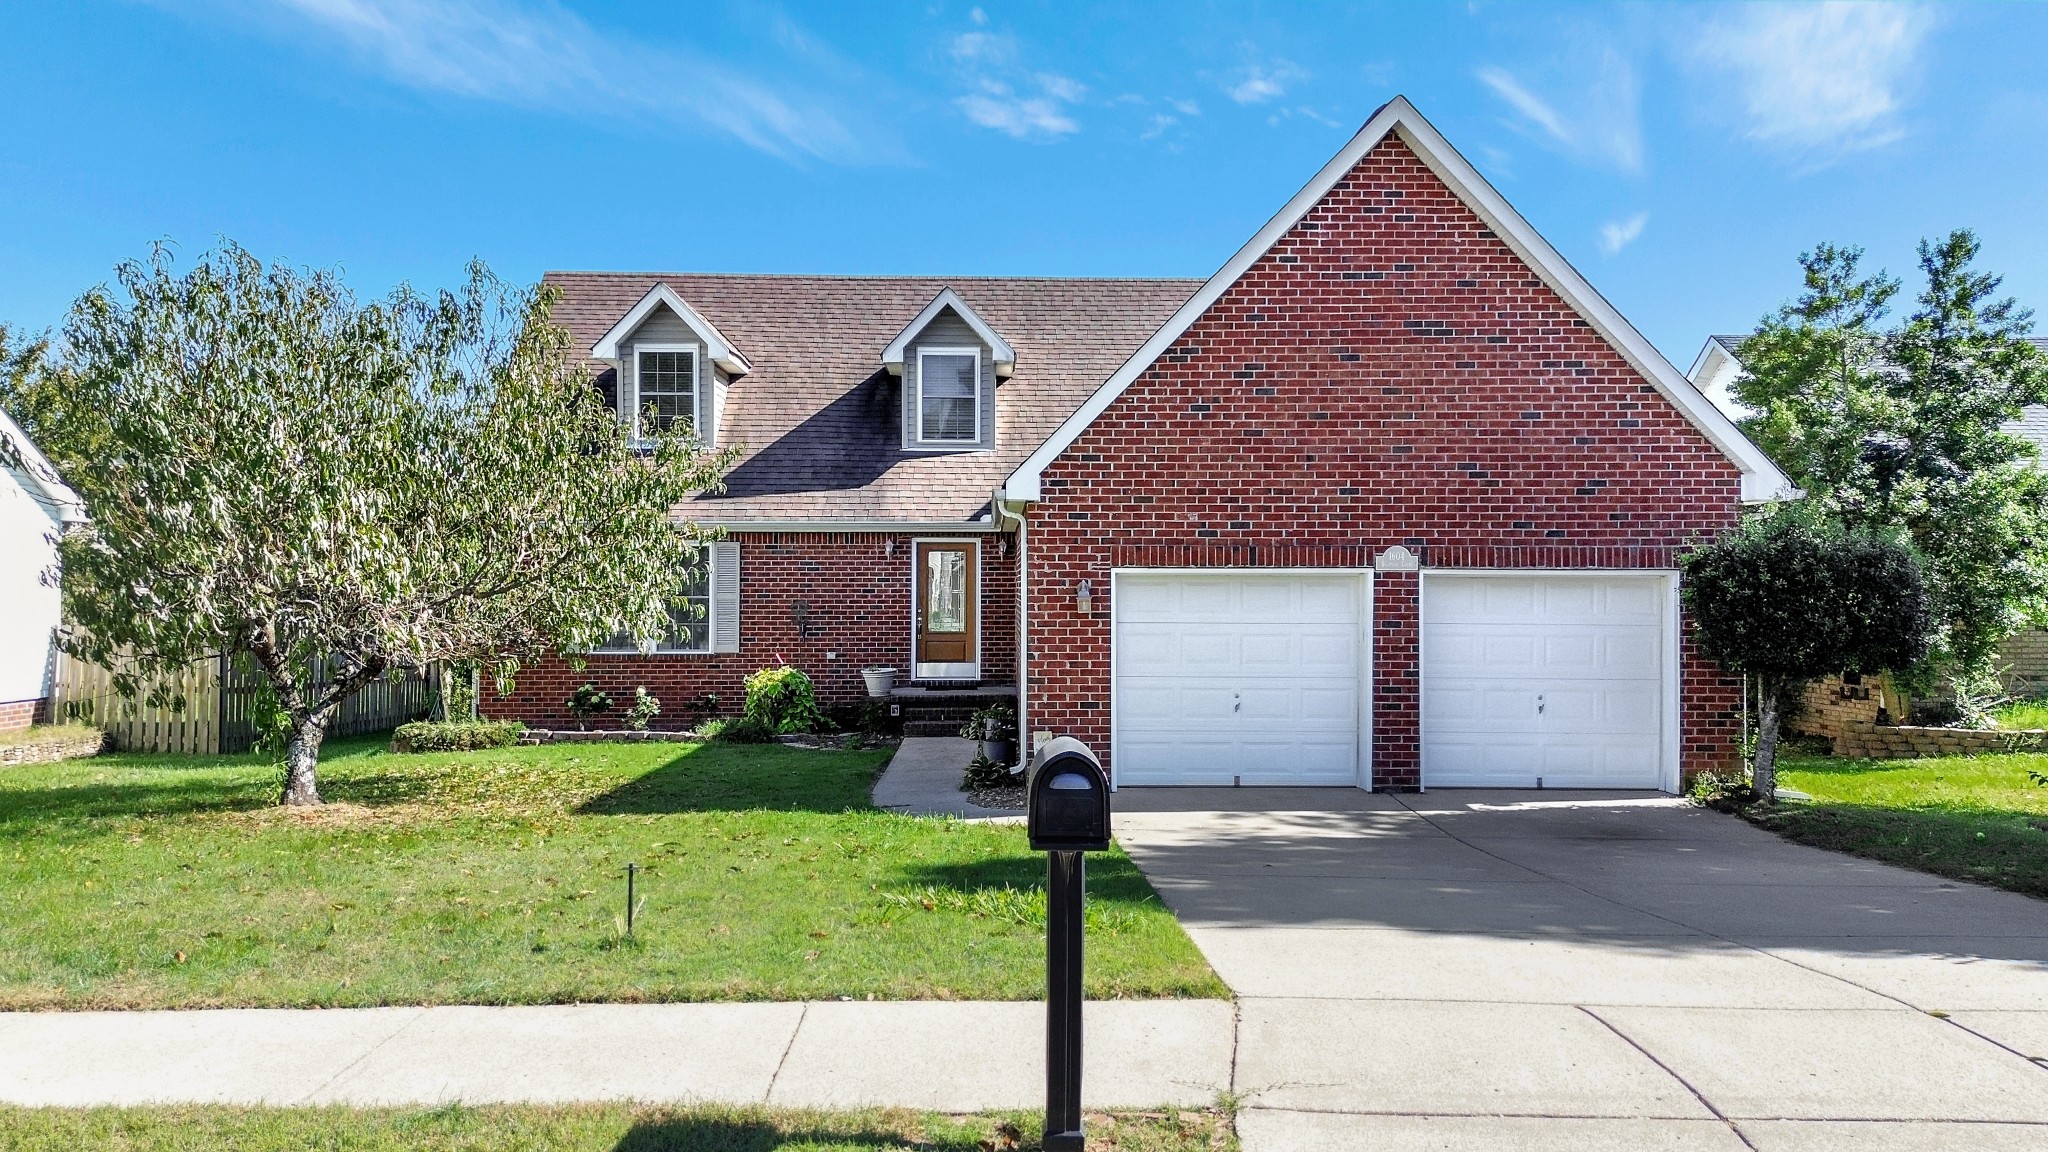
[{"x": 1007, "y": 513}]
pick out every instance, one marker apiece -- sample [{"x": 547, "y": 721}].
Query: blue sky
[{"x": 1681, "y": 156}]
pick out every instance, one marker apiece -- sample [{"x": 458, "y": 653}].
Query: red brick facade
[
  {"x": 16, "y": 715},
  {"x": 858, "y": 588},
  {"x": 1390, "y": 372}
]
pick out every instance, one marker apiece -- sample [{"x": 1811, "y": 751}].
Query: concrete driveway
[{"x": 1516, "y": 970}]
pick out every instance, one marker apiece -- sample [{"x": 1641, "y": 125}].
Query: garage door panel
[
  {"x": 1232, "y": 676},
  {"x": 1558, "y": 677}
]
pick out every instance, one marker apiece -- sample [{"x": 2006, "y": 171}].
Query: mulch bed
[{"x": 1010, "y": 796}]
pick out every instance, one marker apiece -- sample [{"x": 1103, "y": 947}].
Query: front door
[{"x": 945, "y": 611}]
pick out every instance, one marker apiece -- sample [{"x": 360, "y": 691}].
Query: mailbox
[{"x": 1067, "y": 799}]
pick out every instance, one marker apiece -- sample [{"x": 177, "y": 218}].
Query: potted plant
[
  {"x": 880, "y": 677},
  {"x": 995, "y": 727}
]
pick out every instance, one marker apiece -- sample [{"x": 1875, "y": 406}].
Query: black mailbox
[{"x": 1067, "y": 799}]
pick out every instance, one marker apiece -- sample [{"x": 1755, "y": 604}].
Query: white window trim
[
  {"x": 696, "y": 385},
  {"x": 709, "y": 561},
  {"x": 924, "y": 441}
]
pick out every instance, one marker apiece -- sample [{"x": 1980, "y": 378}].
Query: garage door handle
[
  {"x": 1539, "y": 704},
  {"x": 1235, "y": 703}
]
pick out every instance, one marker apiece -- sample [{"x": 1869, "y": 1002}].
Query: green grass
[
  {"x": 2023, "y": 714},
  {"x": 36, "y": 733},
  {"x": 1974, "y": 818},
  {"x": 575, "y": 1128},
  {"x": 496, "y": 877}
]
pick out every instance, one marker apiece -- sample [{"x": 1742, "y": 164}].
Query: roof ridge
[{"x": 879, "y": 276}]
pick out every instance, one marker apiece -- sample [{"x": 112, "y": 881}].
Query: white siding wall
[{"x": 29, "y": 609}]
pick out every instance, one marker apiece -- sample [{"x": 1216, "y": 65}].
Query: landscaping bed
[
  {"x": 589, "y": 1128},
  {"x": 1977, "y": 818},
  {"x": 47, "y": 743},
  {"x": 497, "y": 877}
]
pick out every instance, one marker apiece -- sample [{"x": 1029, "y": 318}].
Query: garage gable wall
[{"x": 1388, "y": 372}]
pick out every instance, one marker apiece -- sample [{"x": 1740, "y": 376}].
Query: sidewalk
[
  {"x": 924, "y": 780},
  {"x": 943, "y": 1056}
]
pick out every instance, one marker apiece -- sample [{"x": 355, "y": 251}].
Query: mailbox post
[{"x": 1067, "y": 814}]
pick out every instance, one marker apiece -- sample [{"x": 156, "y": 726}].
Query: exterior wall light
[{"x": 1084, "y": 598}]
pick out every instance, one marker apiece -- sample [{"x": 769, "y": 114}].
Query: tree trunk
[
  {"x": 1764, "y": 771},
  {"x": 302, "y": 759}
]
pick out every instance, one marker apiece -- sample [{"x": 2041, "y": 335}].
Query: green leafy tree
[
  {"x": 1899, "y": 425},
  {"x": 1790, "y": 595},
  {"x": 276, "y": 469}
]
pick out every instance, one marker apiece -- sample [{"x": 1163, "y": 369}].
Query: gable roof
[
  {"x": 717, "y": 348},
  {"x": 1005, "y": 356},
  {"x": 821, "y": 419},
  {"x": 37, "y": 476},
  {"x": 1761, "y": 479}
]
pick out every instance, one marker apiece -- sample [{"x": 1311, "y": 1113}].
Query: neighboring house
[
  {"x": 35, "y": 507},
  {"x": 1391, "y": 500},
  {"x": 2023, "y": 659}
]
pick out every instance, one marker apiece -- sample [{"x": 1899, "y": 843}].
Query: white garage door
[
  {"x": 1557, "y": 679},
  {"x": 1236, "y": 676}
]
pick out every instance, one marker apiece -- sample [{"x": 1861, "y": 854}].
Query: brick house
[{"x": 1391, "y": 500}]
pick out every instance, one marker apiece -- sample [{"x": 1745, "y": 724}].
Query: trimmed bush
[
  {"x": 738, "y": 730},
  {"x": 783, "y": 701},
  {"x": 456, "y": 735}
]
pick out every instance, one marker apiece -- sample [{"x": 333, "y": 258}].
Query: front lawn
[
  {"x": 131, "y": 881},
  {"x": 1975, "y": 818},
  {"x": 576, "y": 1128}
]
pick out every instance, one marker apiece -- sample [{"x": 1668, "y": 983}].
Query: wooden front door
[{"x": 945, "y": 607}]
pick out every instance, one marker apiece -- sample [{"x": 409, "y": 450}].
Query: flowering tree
[{"x": 275, "y": 469}]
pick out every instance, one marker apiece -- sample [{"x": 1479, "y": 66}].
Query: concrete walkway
[
  {"x": 924, "y": 780},
  {"x": 953, "y": 1057},
  {"x": 1568, "y": 971}
]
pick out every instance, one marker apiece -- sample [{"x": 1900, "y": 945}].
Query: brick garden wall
[
  {"x": 1389, "y": 373},
  {"x": 16, "y": 715},
  {"x": 859, "y": 595}
]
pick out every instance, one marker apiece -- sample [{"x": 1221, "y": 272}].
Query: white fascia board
[
  {"x": 716, "y": 346},
  {"x": 878, "y": 527},
  {"x": 1761, "y": 479},
  {"x": 1005, "y": 356},
  {"x": 38, "y": 470}
]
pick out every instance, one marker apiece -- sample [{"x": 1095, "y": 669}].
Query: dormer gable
[
  {"x": 1000, "y": 352},
  {"x": 949, "y": 360},
  {"x": 717, "y": 348},
  {"x": 673, "y": 365}
]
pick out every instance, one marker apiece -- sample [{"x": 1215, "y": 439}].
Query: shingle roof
[{"x": 819, "y": 415}]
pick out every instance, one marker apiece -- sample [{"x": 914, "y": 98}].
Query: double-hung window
[
  {"x": 949, "y": 395},
  {"x": 689, "y": 616},
  {"x": 665, "y": 383}
]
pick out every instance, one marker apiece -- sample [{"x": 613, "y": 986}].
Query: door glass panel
[{"x": 945, "y": 595}]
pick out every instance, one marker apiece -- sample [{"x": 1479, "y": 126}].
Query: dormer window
[
  {"x": 950, "y": 360},
  {"x": 948, "y": 395},
  {"x": 665, "y": 387}
]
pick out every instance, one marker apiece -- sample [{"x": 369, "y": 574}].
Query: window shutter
[{"x": 725, "y": 596}]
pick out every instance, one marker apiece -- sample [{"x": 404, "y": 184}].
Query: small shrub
[
  {"x": 983, "y": 772},
  {"x": 867, "y": 716},
  {"x": 738, "y": 730},
  {"x": 587, "y": 701},
  {"x": 783, "y": 701},
  {"x": 1722, "y": 790},
  {"x": 456, "y": 735},
  {"x": 854, "y": 741},
  {"x": 646, "y": 706}
]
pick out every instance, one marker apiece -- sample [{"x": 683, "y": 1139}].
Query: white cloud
[
  {"x": 1257, "y": 83},
  {"x": 541, "y": 56},
  {"x": 1820, "y": 80},
  {"x": 1618, "y": 234},
  {"x": 1185, "y": 107},
  {"x": 1008, "y": 97},
  {"x": 1025, "y": 117},
  {"x": 1603, "y": 124}
]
